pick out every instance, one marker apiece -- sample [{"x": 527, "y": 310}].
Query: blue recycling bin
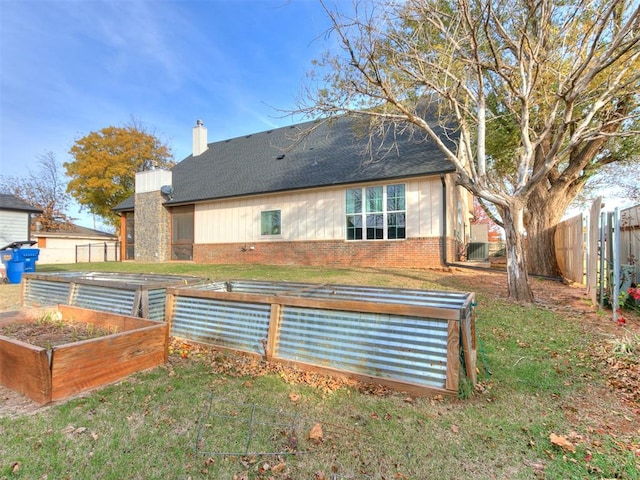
[
  {"x": 30, "y": 257},
  {"x": 14, "y": 265},
  {"x": 18, "y": 260}
]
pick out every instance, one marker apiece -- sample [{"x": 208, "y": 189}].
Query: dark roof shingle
[
  {"x": 283, "y": 159},
  {"x": 11, "y": 202}
]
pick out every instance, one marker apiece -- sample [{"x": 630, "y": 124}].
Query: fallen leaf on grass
[
  {"x": 315, "y": 434},
  {"x": 562, "y": 442},
  {"x": 455, "y": 428},
  {"x": 294, "y": 397},
  {"x": 537, "y": 467},
  {"x": 15, "y": 466},
  {"x": 69, "y": 429}
]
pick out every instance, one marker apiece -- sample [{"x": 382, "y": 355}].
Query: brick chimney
[{"x": 199, "y": 138}]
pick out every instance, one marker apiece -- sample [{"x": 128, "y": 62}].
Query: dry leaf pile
[
  {"x": 238, "y": 364},
  {"x": 620, "y": 362}
]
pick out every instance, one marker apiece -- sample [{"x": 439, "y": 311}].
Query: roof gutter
[{"x": 444, "y": 220}]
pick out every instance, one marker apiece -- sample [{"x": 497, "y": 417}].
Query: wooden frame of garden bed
[{"x": 46, "y": 375}]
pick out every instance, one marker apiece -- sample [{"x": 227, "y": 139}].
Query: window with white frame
[
  {"x": 270, "y": 222},
  {"x": 376, "y": 213}
]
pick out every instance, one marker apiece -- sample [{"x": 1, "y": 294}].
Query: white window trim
[
  {"x": 270, "y": 235},
  {"x": 384, "y": 212}
]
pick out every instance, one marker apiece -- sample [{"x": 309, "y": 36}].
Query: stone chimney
[
  {"x": 199, "y": 138},
  {"x": 152, "y": 233}
]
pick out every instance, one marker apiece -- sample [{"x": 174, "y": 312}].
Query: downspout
[
  {"x": 29, "y": 226},
  {"x": 444, "y": 220}
]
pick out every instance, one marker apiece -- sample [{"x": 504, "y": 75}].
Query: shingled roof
[
  {"x": 11, "y": 202},
  {"x": 284, "y": 159},
  {"x": 73, "y": 230}
]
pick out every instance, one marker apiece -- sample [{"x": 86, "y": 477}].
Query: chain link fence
[{"x": 98, "y": 252}]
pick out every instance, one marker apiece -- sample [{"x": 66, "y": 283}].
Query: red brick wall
[{"x": 410, "y": 253}]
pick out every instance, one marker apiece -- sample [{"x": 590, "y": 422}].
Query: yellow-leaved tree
[{"x": 104, "y": 165}]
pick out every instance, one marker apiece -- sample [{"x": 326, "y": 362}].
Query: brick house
[{"x": 279, "y": 197}]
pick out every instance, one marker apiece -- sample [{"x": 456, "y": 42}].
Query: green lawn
[{"x": 175, "y": 421}]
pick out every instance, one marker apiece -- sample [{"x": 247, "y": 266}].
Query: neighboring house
[
  {"x": 73, "y": 243},
  {"x": 15, "y": 219},
  {"x": 277, "y": 197}
]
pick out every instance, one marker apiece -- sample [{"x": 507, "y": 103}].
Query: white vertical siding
[
  {"x": 14, "y": 227},
  {"x": 152, "y": 180},
  {"x": 424, "y": 207},
  {"x": 317, "y": 214}
]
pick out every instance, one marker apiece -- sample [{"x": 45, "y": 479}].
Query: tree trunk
[
  {"x": 545, "y": 209},
  {"x": 541, "y": 245},
  {"x": 517, "y": 274}
]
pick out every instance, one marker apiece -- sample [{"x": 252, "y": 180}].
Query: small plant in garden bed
[{"x": 51, "y": 329}]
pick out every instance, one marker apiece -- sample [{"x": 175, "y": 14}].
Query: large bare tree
[
  {"x": 45, "y": 188},
  {"x": 534, "y": 93}
]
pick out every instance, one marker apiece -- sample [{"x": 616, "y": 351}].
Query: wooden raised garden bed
[{"x": 48, "y": 373}]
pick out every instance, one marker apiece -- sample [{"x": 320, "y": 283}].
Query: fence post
[
  {"x": 273, "y": 334},
  {"x": 603, "y": 256},
  {"x": 453, "y": 356},
  {"x": 616, "y": 263}
]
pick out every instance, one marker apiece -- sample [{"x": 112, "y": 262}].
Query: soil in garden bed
[{"x": 50, "y": 333}]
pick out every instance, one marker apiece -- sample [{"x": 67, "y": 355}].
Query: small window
[
  {"x": 270, "y": 222},
  {"x": 130, "y": 236}
]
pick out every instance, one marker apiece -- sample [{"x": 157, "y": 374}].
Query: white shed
[{"x": 15, "y": 219}]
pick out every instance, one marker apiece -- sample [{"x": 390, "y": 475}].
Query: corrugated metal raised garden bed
[
  {"x": 124, "y": 293},
  {"x": 44, "y": 374},
  {"x": 414, "y": 340}
]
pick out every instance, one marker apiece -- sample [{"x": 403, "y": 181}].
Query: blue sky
[{"x": 72, "y": 67}]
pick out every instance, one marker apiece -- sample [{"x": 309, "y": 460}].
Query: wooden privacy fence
[
  {"x": 413, "y": 340},
  {"x": 570, "y": 248},
  {"x": 629, "y": 252},
  {"x": 617, "y": 266}
]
